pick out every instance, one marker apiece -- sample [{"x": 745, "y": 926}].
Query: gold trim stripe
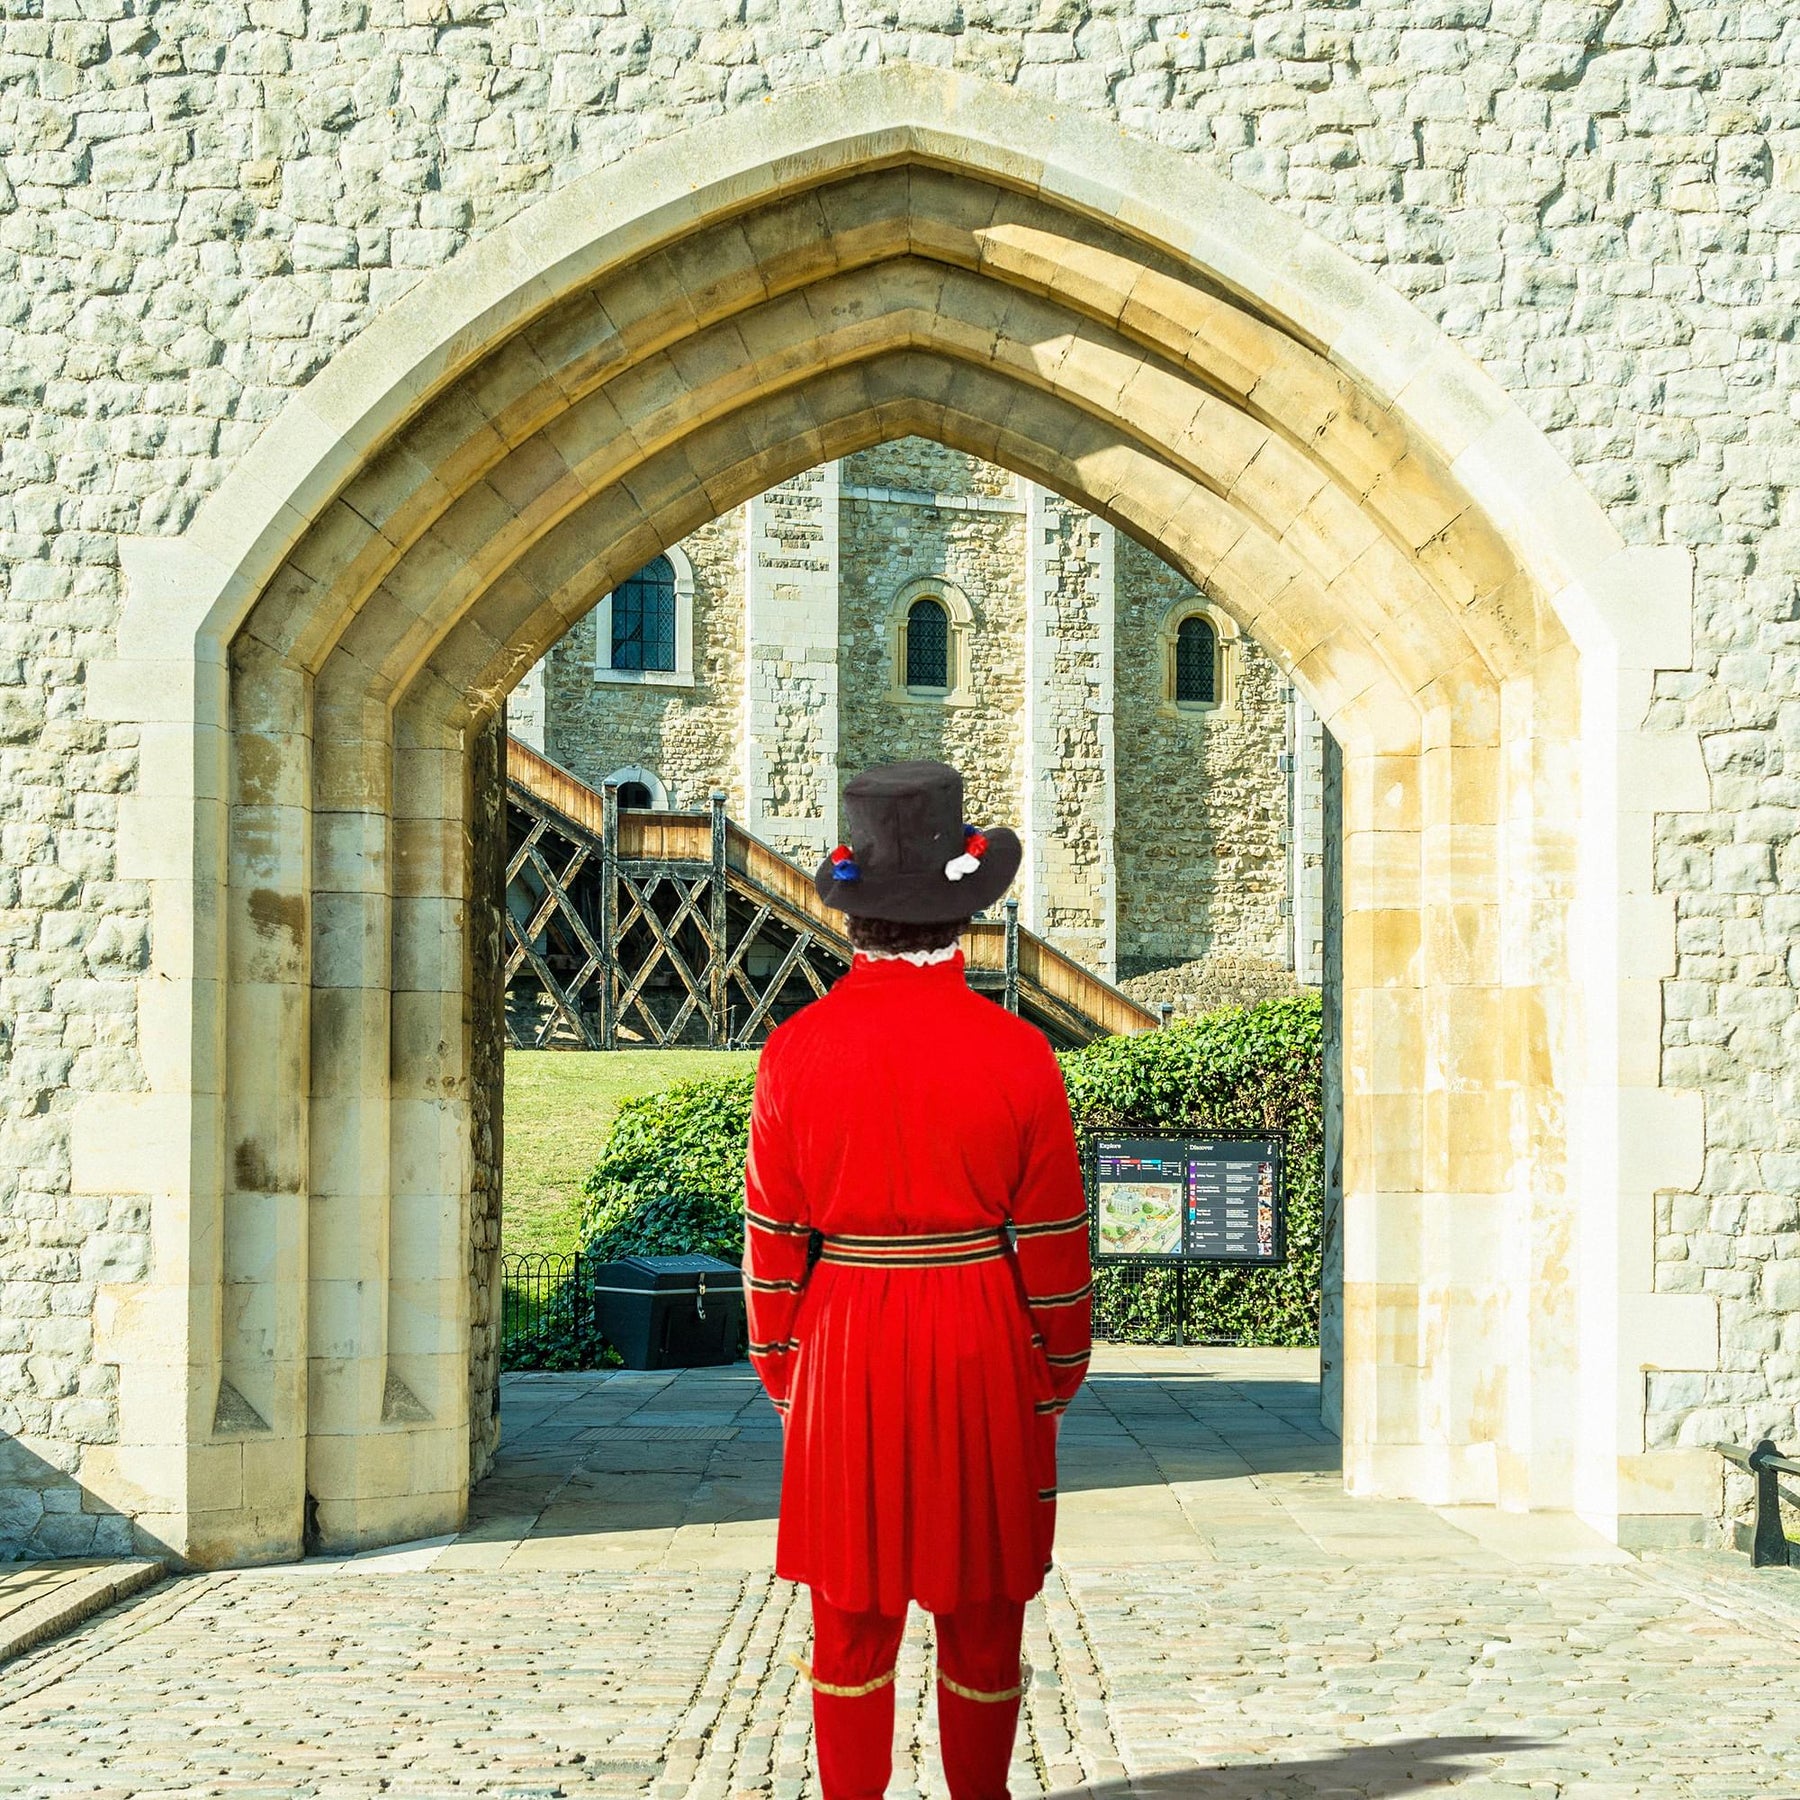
[
  {"x": 913, "y": 1252},
  {"x": 1051, "y": 1227},
  {"x": 1069, "y": 1359},
  {"x": 772, "y": 1285},
  {"x": 831, "y": 1687},
  {"x": 955, "y": 1260},
  {"x": 995, "y": 1698},
  {"x": 782, "y": 1226},
  {"x": 1068, "y": 1299},
  {"x": 922, "y": 1240}
]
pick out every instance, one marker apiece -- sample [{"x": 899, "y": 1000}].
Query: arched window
[
  {"x": 638, "y": 788},
  {"x": 644, "y": 629},
  {"x": 930, "y": 626},
  {"x": 927, "y": 645},
  {"x": 1197, "y": 662},
  {"x": 643, "y": 618}
]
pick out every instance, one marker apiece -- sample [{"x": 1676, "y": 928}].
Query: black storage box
[{"x": 670, "y": 1312}]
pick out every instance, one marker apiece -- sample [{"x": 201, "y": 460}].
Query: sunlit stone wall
[
  {"x": 1158, "y": 835},
  {"x": 199, "y": 205}
]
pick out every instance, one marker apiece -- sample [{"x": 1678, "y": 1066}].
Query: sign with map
[
  {"x": 1179, "y": 1199},
  {"x": 1140, "y": 1196}
]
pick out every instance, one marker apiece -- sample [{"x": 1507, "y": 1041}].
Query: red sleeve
[
  {"x": 1050, "y": 1224},
  {"x": 776, "y": 1234}
]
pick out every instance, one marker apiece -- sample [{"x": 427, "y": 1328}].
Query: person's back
[
  {"x": 917, "y": 1268},
  {"x": 894, "y": 1047}
]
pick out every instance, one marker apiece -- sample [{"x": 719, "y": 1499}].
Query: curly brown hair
[{"x": 895, "y": 937}]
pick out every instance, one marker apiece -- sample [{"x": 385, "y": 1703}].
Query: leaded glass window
[
  {"x": 927, "y": 645},
  {"x": 1197, "y": 661},
  {"x": 643, "y": 618}
]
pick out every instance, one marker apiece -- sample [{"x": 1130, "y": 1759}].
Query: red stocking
[
  {"x": 977, "y": 1739},
  {"x": 855, "y": 1740},
  {"x": 852, "y": 1677},
  {"x": 980, "y": 1687}
]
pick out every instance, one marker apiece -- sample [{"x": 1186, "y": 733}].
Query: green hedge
[
  {"x": 671, "y": 1178},
  {"x": 670, "y": 1181}
]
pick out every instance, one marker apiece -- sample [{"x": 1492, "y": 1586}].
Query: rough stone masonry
[
  {"x": 1167, "y": 846},
  {"x": 200, "y": 203}
]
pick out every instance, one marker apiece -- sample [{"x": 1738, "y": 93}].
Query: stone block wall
[
  {"x": 1068, "y": 892},
  {"x": 1202, "y": 809},
  {"x": 892, "y": 534},
  {"x": 485, "y": 941},
  {"x": 917, "y": 466},
  {"x": 1203, "y": 984},
  {"x": 690, "y": 736},
  {"x": 200, "y": 206},
  {"x": 1058, "y": 629},
  {"x": 1312, "y": 815},
  {"x": 74, "y": 940},
  {"x": 790, "y": 604}
]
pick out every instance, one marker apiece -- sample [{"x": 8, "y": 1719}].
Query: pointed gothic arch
[{"x": 902, "y": 252}]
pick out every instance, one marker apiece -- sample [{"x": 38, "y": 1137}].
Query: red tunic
[{"x": 921, "y": 1404}]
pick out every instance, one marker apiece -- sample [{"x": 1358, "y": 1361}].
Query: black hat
[{"x": 909, "y": 854}]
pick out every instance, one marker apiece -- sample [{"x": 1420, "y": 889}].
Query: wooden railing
[{"x": 679, "y": 851}]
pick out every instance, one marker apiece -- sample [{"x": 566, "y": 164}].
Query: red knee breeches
[{"x": 980, "y": 1684}]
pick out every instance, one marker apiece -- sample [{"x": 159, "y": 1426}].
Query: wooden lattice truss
[
  {"x": 668, "y": 951},
  {"x": 660, "y": 929}
]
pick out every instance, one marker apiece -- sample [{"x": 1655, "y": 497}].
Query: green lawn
[{"x": 559, "y": 1105}]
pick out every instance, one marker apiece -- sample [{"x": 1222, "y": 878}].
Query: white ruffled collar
[{"x": 918, "y": 958}]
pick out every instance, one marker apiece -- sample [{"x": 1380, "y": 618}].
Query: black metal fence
[
  {"x": 529, "y": 1284},
  {"x": 1143, "y": 1303},
  {"x": 547, "y": 1314},
  {"x": 1157, "y": 1303}
]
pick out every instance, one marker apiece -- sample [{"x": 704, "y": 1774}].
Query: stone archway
[{"x": 905, "y": 252}]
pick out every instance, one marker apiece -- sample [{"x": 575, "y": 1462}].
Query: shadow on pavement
[
  {"x": 1132, "y": 1430},
  {"x": 1358, "y": 1772},
  {"x": 584, "y": 1454}
]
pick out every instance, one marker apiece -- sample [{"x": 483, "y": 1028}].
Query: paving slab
[{"x": 42, "y": 1600}]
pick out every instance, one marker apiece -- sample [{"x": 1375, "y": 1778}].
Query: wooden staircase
[{"x": 631, "y": 929}]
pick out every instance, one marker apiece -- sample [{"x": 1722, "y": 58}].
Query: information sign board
[{"x": 1188, "y": 1200}]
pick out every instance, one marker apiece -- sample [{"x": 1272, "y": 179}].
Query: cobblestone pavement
[{"x": 1223, "y": 1625}]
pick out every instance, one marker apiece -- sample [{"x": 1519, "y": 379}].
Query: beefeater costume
[{"x": 919, "y": 1296}]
